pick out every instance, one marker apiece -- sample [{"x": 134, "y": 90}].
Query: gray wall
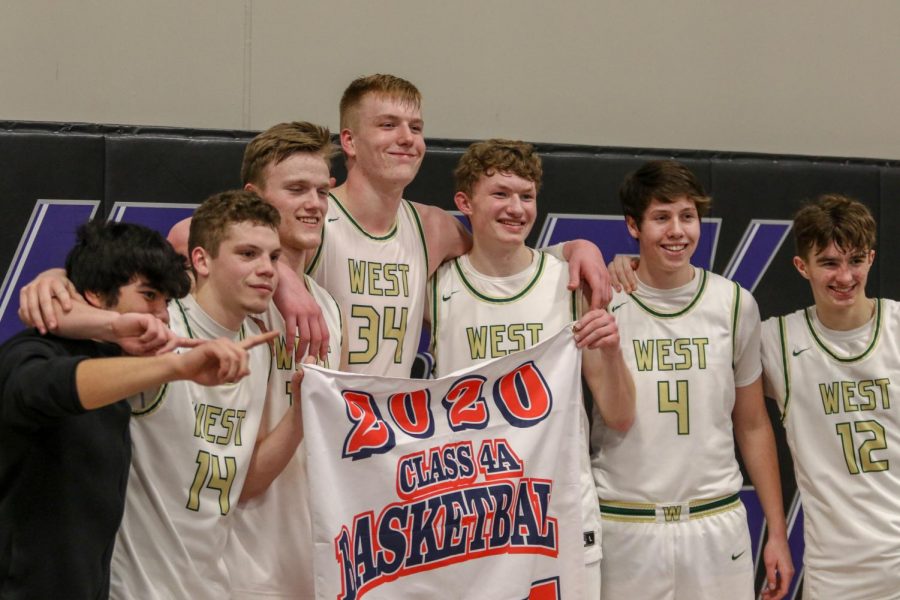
[{"x": 816, "y": 77}]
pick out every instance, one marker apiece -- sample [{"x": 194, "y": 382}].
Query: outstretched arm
[
  {"x": 756, "y": 440},
  {"x": 604, "y": 369},
  {"x": 274, "y": 451},
  {"x": 102, "y": 381}
]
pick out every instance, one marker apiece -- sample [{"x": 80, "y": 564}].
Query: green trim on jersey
[
  {"x": 157, "y": 401},
  {"x": 735, "y": 313},
  {"x": 662, "y": 315},
  {"x": 643, "y": 512},
  {"x": 574, "y": 306},
  {"x": 378, "y": 238},
  {"x": 314, "y": 263},
  {"x": 782, "y": 334},
  {"x": 502, "y": 300},
  {"x": 434, "y": 313},
  {"x": 849, "y": 359},
  {"x": 418, "y": 222},
  {"x": 241, "y": 333}
]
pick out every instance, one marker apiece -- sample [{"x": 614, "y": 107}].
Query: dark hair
[
  {"x": 663, "y": 180},
  {"x": 209, "y": 225},
  {"x": 109, "y": 255},
  {"x": 833, "y": 218},
  {"x": 484, "y": 159}
]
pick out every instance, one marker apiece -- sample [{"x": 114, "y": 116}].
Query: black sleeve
[{"x": 37, "y": 381}]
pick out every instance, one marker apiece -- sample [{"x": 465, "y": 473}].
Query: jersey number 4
[{"x": 677, "y": 404}]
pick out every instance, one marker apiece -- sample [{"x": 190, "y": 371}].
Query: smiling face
[
  {"x": 837, "y": 277},
  {"x": 298, "y": 187},
  {"x": 241, "y": 278},
  {"x": 385, "y": 139},
  {"x": 667, "y": 236},
  {"x": 501, "y": 209}
]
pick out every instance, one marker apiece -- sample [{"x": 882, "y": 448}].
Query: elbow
[{"x": 621, "y": 423}]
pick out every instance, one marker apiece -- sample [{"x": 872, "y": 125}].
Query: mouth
[
  {"x": 514, "y": 224},
  {"x": 843, "y": 290},
  {"x": 310, "y": 220},
  {"x": 675, "y": 248},
  {"x": 263, "y": 288}
]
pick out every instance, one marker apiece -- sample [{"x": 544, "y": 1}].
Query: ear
[
  {"x": 800, "y": 265},
  {"x": 347, "y": 144},
  {"x": 332, "y": 182},
  {"x": 200, "y": 259},
  {"x": 94, "y": 299},
  {"x": 871, "y": 257},
  {"x": 633, "y": 229},
  {"x": 250, "y": 187},
  {"x": 463, "y": 203}
]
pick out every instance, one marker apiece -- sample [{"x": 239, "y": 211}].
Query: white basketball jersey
[
  {"x": 191, "y": 451},
  {"x": 681, "y": 445},
  {"x": 844, "y": 435},
  {"x": 379, "y": 283},
  {"x": 475, "y": 317},
  {"x": 269, "y": 552}
]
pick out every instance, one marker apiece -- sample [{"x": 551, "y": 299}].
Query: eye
[
  {"x": 417, "y": 128},
  {"x": 150, "y": 295}
]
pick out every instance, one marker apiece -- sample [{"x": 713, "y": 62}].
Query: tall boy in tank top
[
  {"x": 379, "y": 249},
  {"x": 673, "y": 524},
  {"x": 502, "y": 297},
  {"x": 832, "y": 368}
]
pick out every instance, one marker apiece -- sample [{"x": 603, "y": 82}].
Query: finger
[
  {"x": 256, "y": 340},
  {"x": 303, "y": 340},
  {"x": 574, "y": 277},
  {"x": 296, "y": 379},
  {"x": 29, "y": 309},
  {"x": 290, "y": 328},
  {"x": 315, "y": 337},
  {"x": 62, "y": 292},
  {"x": 326, "y": 338}
]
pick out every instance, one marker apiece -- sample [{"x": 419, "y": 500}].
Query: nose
[
  {"x": 844, "y": 273},
  {"x": 405, "y": 134},
  {"x": 266, "y": 267},
  {"x": 161, "y": 312},
  {"x": 515, "y": 205},
  {"x": 676, "y": 227}
]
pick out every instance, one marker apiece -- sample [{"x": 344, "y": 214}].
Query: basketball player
[
  {"x": 673, "y": 524},
  {"x": 64, "y": 425},
  {"x": 831, "y": 367},
  {"x": 378, "y": 249},
  {"x": 195, "y": 447},
  {"x": 269, "y": 552},
  {"x": 521, "y": 295}
]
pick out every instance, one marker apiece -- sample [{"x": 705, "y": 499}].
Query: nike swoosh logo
[
  {"x": 446, "y": 297},
  {"x": 737, "y": 556},
  {"x": 799, "y": 352},
  {"x": 333, "y": 219},
  {"x": 617, "y": 307}
]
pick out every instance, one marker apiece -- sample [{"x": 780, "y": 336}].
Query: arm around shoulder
[{"x": 445, "y": 235}]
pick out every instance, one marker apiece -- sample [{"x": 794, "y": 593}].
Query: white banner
[{"x": 465, "y": 487}]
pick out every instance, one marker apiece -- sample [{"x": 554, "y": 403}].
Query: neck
[
  {"x": 296, "y": 259},
  {"x": 500, "y": 261},
  {"x": 373, "y": 206},
  {"x": 665, "y": 280},
  {"x": 211, "y": 305},
  {"x": 840, "y": 319}
]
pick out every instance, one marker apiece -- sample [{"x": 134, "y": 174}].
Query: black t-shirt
[{"x": 63, "y": 472}]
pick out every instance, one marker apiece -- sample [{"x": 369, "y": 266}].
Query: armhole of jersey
[
  {"x": 785, "y": 366},
  {"x": 421, "y": 229},
  {"x": 434, "y": 314},
  {"x": 735, "y": 321},
  {"x": 314, "y": 263},
  {"x": 154, "y": 405}
]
